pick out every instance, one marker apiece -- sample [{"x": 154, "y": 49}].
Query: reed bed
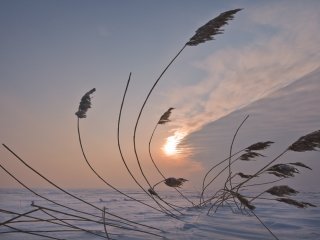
[{"x": 233, "y": 194}]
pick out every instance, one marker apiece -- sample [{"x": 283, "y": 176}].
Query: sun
[{"x": 170, "y": 147}]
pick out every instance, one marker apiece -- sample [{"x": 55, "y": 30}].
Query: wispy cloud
[{"x": 286, "y": 49}]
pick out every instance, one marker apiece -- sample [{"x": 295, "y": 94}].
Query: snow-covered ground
[{"x": 285, "y": 221}]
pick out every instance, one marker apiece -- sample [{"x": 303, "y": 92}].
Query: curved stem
[
  {"x": 258, "y": 184},
  {"x": 71, "y": 225},
  {"x": 149, "y": 148},
  {"x": 215, "y": 179},
  {"x": 104, "y": 222},
  {"x": 164, "y": 210},
  {"x": 260, "y": 194},
  {"x": 260, "y": 171},
  {"x": 264, "y": 225},
  {"x": 32, "y": 233},
  {"x": 63, "y": 190},
  {"x": 140, "y": 113},
  {"x": 45, "y": 198},
  {"x": 79, "y": 211},
  {"x": 150, "y": 154},
  {"x": 230, "y": 153},
  {"x": 101, "y": 178},
  {"x": 211, "y": 169}
]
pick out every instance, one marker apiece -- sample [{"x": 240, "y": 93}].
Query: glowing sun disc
[{"x": 170, "y": 147}]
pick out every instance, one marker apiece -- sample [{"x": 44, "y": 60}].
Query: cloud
[
  {"x": 281, "y": 117},
  {"x": 284, "y": 46}
]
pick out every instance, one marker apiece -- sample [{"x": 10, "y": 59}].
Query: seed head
[
  {"x": 211, "y": 28},
  {"x": 309, "y": 142},
  {"x": 152, "y": 192},
  {"x": 282, "y": 190},
  {"x": 85, "y": 104},
  {"x": 301, "y": 165},
  {"x": 283, "y": 170},
  {"x": 244, "y": 175},
  {"x": 248, "y": 155},
  {"x": 165, "y": 117},
  {"x": 295, "y": 203},
  {"x": 174, "y": 182},
  {"x": 243, "y": 200},
  {"x": 259, "y": 146}
]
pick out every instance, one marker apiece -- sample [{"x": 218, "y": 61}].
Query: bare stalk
[
  {"x": 211, "y": 169},
  {"x": 164, "y": 210},
  {"x": 230, "y": 153},
  {"x": 154, "y": 163},
  {"x": 64, "y": 191},
  {"x": 265, "y": 226},
  {"x": 104, "y": 222},
  {"x": 260, "y": 171},
  {"x": 141, "y": 110}
]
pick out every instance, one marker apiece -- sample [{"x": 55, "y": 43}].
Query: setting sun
[{"x": 170, "y": 147}]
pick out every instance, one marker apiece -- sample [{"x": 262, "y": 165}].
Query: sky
[{"x": 266, "y": 64}]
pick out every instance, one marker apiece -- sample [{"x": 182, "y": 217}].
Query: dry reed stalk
[
  {"x": 64, "y": 191},
  {"x": 163, "y": 120},
  {"x": 33, "y": 233},
  {"x": 309, "y": 142},
  {"x": 117, "y": 224},
  {"x": 245, "y": 202},
  {"x": 211, "y": 169},
  {"x": 229, "y": 178},
  {"x": 71, "y": 226},
  {"x": 256, "y": 146},
  {"x": 203, "y": 34},
  {"x": 149, "y": 193},
  {"x": 53, "y": 220},
  {"x": 104, "y": 222},
  {"x": 83, "y": 107}
]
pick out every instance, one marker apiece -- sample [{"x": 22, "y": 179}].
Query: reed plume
[
  {"x": 309, "y": 142},
  {"x": 282, "y": 190},
  {"x": 212, "y": 28},
  {"x": 244, "y": 175},
  {"x": 165, "y": 117},
  {"x": 285, "y": 170},
  {"x": 85, "y": 104},
  {"x": 243, "y": 201},
  {"x": 259, "y": 146},
  {"x": 163, "y": 120},
  {"x": 295, "y": 202},
  {"x": 249, "y": 155},
  {"x": 174, "y": 182},
  {"x": 299, "y": 164},
  {"x": 203, "y": 34}
]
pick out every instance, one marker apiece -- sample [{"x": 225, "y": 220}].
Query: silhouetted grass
[{"x": 232, "y": 194}]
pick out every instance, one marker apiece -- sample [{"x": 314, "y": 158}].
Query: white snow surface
[{"x": 285, "y": 221}]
